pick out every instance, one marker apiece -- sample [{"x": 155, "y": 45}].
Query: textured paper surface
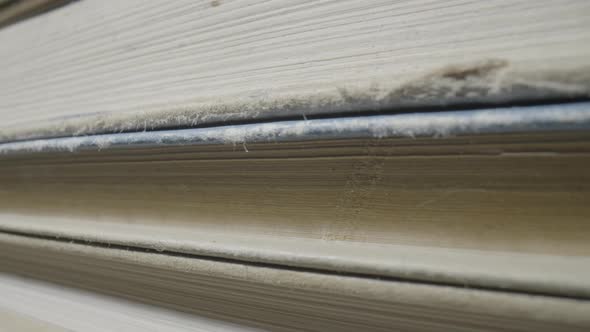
[
  {"x": 347, "y": 224},
  {"x": 29, "y": 305},
  {"x": 503, "y": 209},
  {"x": 284, "y": 300},
  {"x": 110, "y": 66}
]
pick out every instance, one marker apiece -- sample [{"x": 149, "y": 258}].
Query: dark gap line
[
  {"x": 23, "y": 11},
  {"x": 470, "y": 106}
]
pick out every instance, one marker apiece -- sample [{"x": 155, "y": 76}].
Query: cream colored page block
[
  {"x": 518, "y": 203},
  {"x": 287, "y": 300},
  {"x": 38, "y": 306},
  {"x": 107, "y": 66},
  {"x": 11, "y": 321}
]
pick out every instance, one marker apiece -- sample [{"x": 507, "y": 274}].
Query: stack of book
[{"x": 296, "y": 165}]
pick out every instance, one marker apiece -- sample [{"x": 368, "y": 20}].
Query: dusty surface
[{"x": 133, "y": 66}]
